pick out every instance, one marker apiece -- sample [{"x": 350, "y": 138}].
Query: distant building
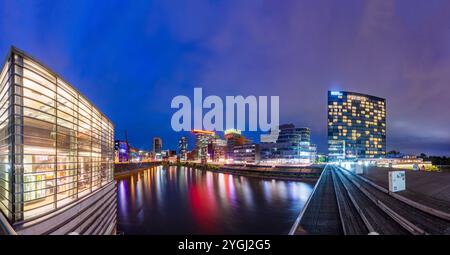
[
  {"x": 144, "y": 156},
  {"x": 356, "y": 126},
  {"x": 202, "y": 139},
  {"x": 313, "y": 153},
  {"x": 121, "y": 150},
  {"x": 233, "y": 138},
  {"x": 183, "y": 148},
  {"x": 247, "y": 153},
  {"x": 134, "y": 154},
  {"x": 292, "y": 146},
  {"x": 157, "y": 148},
  {"x": 217, "y": 149}
]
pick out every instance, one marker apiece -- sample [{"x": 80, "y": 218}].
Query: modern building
[
  {"x": 157, "y": 147},
  {"x": 233, "y": 137},
  {"x": 183, "y": 148},
  {"x": 202, "y": 139},
  {"x": 121, "y": 151},
  {"x": 313, "y": 153},
  {"x": 217, "y": 149},
  {"x": 144, "y": 156},
  {"x": 292, "y": 146},
  {"x": 356, "y": 126},
  {"x": 247, "y": 153},
  {"x": 134, "y": 155},
  {"x": 57, "y": 152}
]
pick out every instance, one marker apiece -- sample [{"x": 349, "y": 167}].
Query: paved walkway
[
  {"x": 321, "y": 215},
  {"x": 429, "y": 188}
]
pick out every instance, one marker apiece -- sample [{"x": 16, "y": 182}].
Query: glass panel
[
  {"x": 64, "y": 145},
  {"x": 39, "y": 79},
  {"x": 38, "y": 87},
  {"x": 5, "y": 192}
]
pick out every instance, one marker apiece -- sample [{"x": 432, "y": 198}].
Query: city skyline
[{"x": 125, "y": 65}]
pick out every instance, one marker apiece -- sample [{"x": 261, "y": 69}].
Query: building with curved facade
[
  {"x": 56, "y": 154},
  {"x": 356, "y": 126}
]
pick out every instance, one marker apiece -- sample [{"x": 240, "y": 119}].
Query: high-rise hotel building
[
  {"x": 56, "y": 154},
  {"x": 356, "y": 126}
]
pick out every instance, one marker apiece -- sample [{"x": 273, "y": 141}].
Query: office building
[
  {"x": 292, "y": 146},
  {"x": 202, "y": 139},
  {"x": 233, "y": 137},
  {"x": 121, "y": 151},
  {"x": 183, "y": 148},
  {"x": 157, "y": 145},
  {"x": 217, "y": 149},
  {"x": 144, "y": 156},
  {"x": 157, "y": 148},
  {"x": 57, "y": 152},
  {"x": 356, "y": 126},
  {"x": 247, "y": 153},
  {"x": 313, "y": 153}
]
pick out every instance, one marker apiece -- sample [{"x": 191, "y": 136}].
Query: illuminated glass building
[
  {"x": 356, "y": 126},
  {"x": 247, "y": 153},
  {"x": 121, "y": 151},
  {"x": 234, "y": 137},
  {"x": 217, "y": 148},
  {"x": 157, "y": 145},
  {"x": 183, "y": 148},
  {"x": 157, "y": 148},
  {"x": 293, "y": 146},
  {"x": 57, "y": 152},
  {"x": 202, "y": 139}
]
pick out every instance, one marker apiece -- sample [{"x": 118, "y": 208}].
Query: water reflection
[{"x": 175, "y": 200}]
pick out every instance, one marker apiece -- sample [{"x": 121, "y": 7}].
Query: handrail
[
  {"x": 299, "y": 218},
  {"x": 5, "y": 226}
]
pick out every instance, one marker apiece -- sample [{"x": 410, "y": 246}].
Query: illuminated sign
[
  {"x": 205, "y": 132},
  {"x": 232, "y": 131},
  {"x": 356, "y": 98},
  {"x": 336, "y": 93}
]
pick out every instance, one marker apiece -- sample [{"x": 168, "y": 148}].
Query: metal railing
[
  {"x": 299, "y": 218},
  {"x": 5, "y": 227}
]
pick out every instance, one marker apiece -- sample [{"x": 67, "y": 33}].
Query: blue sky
[{"x": 132, "y": 57}]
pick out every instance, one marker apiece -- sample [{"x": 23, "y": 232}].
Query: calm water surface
[{"x": 178, "y": 200}]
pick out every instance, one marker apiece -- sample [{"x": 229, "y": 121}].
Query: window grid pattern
[
  {"x": 5, "y": 138},
  {"x": 356, "y": 126},
  {"x": 63, "y": 146}
]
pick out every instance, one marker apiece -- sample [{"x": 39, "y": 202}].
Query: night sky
[{"x": 130, "y": 58}]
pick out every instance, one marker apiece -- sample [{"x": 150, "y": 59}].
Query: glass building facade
[
  {"x": 293, "y": 145},
  {"x": 183, "y": 148},
  {"x": 356, "y": 126},
  {"x": 56, "y": 147}
]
